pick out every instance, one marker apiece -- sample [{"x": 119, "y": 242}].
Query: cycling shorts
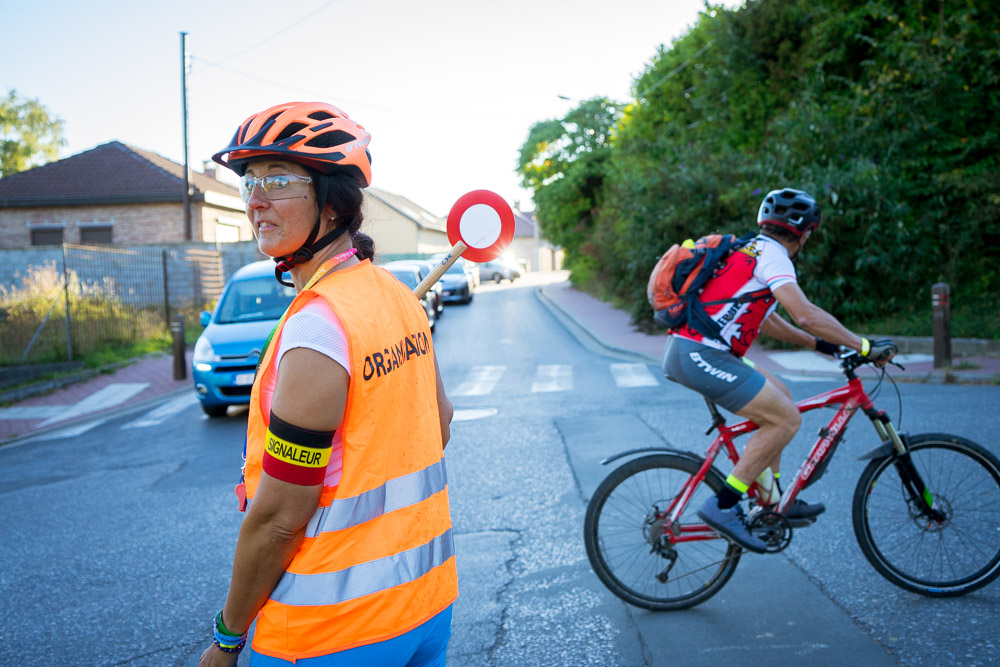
[
  {"x": 425, "y": 645},
  {"x": 718, "y": 375}
]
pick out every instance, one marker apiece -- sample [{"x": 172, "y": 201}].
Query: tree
[
  {"x": 562, "y": 162},
  {"x": 29, "y": 135}
]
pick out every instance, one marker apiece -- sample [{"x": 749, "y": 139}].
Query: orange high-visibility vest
[{"x": 378, "y": 557}]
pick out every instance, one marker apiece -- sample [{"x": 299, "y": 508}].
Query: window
[
  {"x": 46, "y": 236},
  {"x": 95, "y": 235}
]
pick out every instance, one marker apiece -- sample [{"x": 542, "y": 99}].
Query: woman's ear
[{"x": 328, "y": 215}]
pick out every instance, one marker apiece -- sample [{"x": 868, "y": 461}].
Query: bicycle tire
[
  {"x": 920, "y": 556},
  {"x": 622, "y": 556}
]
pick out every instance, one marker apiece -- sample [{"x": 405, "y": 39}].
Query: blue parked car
[{"x": 225, "y": 356}]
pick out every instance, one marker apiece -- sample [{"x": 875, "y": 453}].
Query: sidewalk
[
  {"x": 144, "y": 380},
  {"x": 611, "y": 328}
]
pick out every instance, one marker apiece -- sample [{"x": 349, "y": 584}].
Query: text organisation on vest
[{"x": 382, "y": 363}]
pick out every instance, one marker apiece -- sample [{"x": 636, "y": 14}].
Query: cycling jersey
[{"x": 761, "y": 264}]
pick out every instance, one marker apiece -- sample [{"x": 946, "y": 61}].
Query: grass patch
[{"x": 106, "y": 324}]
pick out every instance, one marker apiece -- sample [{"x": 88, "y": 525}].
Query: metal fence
[{"x": 91, "y": 297}]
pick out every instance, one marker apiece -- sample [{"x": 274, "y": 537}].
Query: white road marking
[
  {"x": 108, "y": 397},
  {"x": 165, "y": 411},
  {"x": 31, "y": 411},
  {"x": 808, "y": 378},
  {"x": 472, "y": 414},
  {"x": 71, "y": 431},
  {"x": 552, "y": 377},
  {"x": 480, "y": 381},
  {"x": 633, "y": 375},
  {"x": 804, "y": 360}
]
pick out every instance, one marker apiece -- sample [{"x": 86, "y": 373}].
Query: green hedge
[{"x": 884, "y": 110}]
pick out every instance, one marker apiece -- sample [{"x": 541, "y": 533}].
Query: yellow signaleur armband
[
  {"x": 294, "y": 454},
  {"x": 866, "y": 347}
]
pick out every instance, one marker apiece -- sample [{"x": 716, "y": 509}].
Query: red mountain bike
[{"x": 926, "y": 510}]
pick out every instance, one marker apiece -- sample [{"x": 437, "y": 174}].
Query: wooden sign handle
[{"x": 438, "y": 271}]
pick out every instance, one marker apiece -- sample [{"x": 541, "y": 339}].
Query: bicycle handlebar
[{"x": 851, "y": 359}]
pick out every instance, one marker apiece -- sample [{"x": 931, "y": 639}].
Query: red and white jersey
[{"x": 761, "y": 264}]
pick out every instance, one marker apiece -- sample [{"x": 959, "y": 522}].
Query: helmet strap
[{"x": 307, "y": 251}]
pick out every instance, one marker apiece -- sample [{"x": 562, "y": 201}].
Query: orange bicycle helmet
[{"x": 314, "y": 134}]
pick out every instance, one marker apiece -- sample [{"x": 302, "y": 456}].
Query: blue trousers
[{"x": 423, "y": 646}]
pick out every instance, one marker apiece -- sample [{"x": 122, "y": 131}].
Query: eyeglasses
[{"x": 274, "y": 186}]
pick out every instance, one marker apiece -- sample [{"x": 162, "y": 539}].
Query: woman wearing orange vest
[{"x": 346, "y": 553}]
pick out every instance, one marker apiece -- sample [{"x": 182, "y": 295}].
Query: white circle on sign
[{"x": 480, "y": 226}]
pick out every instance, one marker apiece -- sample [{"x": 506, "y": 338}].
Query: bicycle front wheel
[
  {"x": 626, "y": 545},
  {"x": 951, "y": 556}
]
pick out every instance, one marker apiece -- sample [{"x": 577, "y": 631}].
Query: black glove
[
  {"x": 826, "y": 347},
  {"x": 879, "y": 351}
]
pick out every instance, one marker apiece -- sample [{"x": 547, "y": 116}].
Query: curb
[
  {"x": 580, "y": 329},
  {"x": 43, "y": 386}
]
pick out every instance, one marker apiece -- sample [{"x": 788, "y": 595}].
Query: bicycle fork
[{"x": 921, "y": 499}]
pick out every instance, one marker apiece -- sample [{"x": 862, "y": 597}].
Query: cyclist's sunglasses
[{"x": 275, "y": 186}]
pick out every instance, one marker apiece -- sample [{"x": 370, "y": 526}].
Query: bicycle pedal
[{"x": 801, "y": 523}]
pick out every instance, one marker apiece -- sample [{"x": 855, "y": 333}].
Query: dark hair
[
  {"x": 778, "y": 232},
  {"x": 343, "y": 192}
]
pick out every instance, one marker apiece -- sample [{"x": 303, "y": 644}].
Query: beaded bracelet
[{"x": 224, "y": 639}]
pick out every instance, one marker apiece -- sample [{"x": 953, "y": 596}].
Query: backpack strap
[{"x": 746, "y": 297}]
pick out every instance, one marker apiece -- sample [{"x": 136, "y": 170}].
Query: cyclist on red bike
[{"x": 717, "y": 369}]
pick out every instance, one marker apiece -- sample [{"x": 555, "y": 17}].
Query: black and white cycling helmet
[{"x": 795, "y": 210}]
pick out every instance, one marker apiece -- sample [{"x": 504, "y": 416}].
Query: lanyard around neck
[{"x": 320, "y": 272}]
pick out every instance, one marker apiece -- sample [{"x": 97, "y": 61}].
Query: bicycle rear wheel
[
  {"x": 625, "y": 542},
  {"x": 943, "y": 558}
]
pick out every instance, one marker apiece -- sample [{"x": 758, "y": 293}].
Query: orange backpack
[{"x": 680, "y": 275}]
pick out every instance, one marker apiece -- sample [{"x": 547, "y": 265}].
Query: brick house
[{"x": 116, "y": 193}]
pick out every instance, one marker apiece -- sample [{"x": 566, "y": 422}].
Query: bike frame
[{"x": 849, "y": 397}]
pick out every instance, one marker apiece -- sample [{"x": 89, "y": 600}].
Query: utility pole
[{"x": 184, "y": 115}]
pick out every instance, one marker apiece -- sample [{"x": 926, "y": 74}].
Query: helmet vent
[
  {"x": 291, "y": 129},
  {"x": 321, "y": 115},
  {"x": 328, "y": 139}
]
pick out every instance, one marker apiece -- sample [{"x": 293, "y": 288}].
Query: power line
[
  {"x": 270, "y": 37},
  {"x": 427, "y": 112},
  {"x": 749, "y": 6},
  {"x": 675, "y": 70}
]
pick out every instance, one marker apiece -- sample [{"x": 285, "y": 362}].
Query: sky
[{"x": 448, "y": 88}]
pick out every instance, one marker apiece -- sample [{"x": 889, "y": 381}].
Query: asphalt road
[{"x": 117, "y": 542}]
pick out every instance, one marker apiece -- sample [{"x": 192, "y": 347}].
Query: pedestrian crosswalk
[
  {"x": 547, "y": 378},
  {"x": 475, "y": 381}
]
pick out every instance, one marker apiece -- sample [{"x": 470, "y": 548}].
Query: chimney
[{"x": 209, "y": 169}]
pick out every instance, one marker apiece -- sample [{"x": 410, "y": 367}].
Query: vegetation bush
[{"x": 884, "y": 110}]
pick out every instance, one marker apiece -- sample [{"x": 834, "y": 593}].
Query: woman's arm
[
  {"x": 311, "y": 393},
  {"x": 445, "y": 409}
]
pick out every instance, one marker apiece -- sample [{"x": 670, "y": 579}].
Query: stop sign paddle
[{"x": 480, "y": 227}]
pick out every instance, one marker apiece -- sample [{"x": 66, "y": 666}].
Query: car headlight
[{"x": 203, "y": 351}]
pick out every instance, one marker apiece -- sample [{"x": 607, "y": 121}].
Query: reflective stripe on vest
[
  {"x": 366, "y": 578},
  {"x": 393, "y": 495}
]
